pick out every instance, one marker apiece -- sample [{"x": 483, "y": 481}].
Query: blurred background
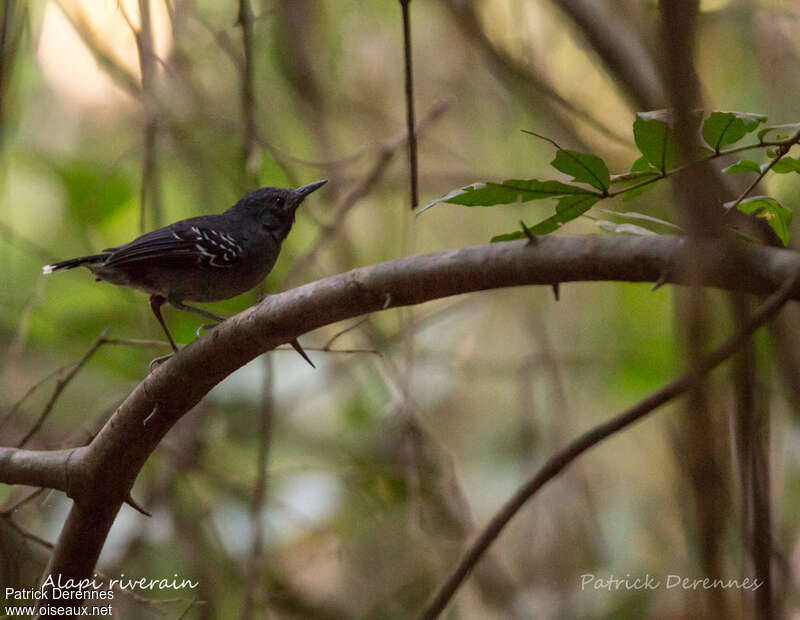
[{"x": 349, "y": 491}]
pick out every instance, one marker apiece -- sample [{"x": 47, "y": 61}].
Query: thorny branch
[{"x": 99, "y": 476}]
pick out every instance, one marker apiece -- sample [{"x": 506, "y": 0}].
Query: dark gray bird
[{"x": 206, "y": 258}]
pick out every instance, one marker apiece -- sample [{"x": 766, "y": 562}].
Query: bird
[{"x": 205, "y": 258}]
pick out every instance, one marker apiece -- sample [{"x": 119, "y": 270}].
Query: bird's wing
[{"x": 179, "y": 243}]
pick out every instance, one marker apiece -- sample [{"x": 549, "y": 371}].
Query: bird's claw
[
  {"x": 202, "y": 327},
  {"x": 154, "y": 363}
]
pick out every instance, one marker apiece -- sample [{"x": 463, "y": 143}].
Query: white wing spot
[{"x": 203, "y": 251}]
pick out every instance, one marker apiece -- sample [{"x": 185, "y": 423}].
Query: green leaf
[
  {"x": 655, "y": 141},
  {"x": 743, "y": 165},
  {"x": 507, "y": 192},
  {"x": 634, "y": 215},
  {"x": 792, "y": 127},
  {"x": 567, "y": 209},
  {"x": 641, "y": 170},
  {"x": 628, "y": 229},
  {"x": 641, "y": 165},
  {"x": 517, "y": 234},
  {"x": 785, "y": 165},
  {"x": 583, "y": 167},
  {"x": 724, "y": 128},
  {"x": 778, "y": 217}
]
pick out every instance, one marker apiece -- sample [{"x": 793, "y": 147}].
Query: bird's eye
[{"x": 279, "y": 201}]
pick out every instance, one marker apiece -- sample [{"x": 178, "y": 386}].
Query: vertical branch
[
  {"x": 149, "y": 192},
  {"x": 412, "y": 137},
  {"x": 761, "y": 546},
  {"x": 752, "y": 450},
  {"x": 250, "y": 169},
  {"x": 252, "y": 581},
  {"x": 699, "y": 193},
  {"x": 250, "y": 135},
  {"x": 7, "y": 50}
]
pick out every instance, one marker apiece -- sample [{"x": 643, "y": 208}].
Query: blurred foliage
[{"x": 381, "y": 463}]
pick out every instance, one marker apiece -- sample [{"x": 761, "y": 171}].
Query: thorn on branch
[
  {"x": 662, "y": 280},
  {"x": 133, "y": 504},
  {"x": 556, "y": 290},
  {"x": 296, "y": 346},
  {"x": 531, "y": 237}
]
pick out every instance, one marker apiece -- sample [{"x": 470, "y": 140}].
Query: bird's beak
[{"x": 311, "y": 187}]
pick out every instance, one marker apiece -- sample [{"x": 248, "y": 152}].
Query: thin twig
[
  {"x": 223, "y": 40},
  {"x": 782, "y": 149},
  {"x": 342, "y": 332},
  {"x": 324, "y": 350},
  {"x": 62, "y": 383},
  {"x": 541, "y": 137},
  {"x": 255, "y": 560},
  {"x": 30, "y": 535},
  {"x": 248, "y": 103},
  {"x": 60, "y": 386},
  {"x": 409, "y": 75},
  {"x": 17, "y": 345},
  {"x": 356, "y": 325},
  {"x": 561, "y": 459},
  {"x": 136, "y": 342},
  {"x": 7, "y": 512},
  {"x": 6, "y": 60},
  {"x": 14, "y": 238},
  {"x": 668, "y": 173}
]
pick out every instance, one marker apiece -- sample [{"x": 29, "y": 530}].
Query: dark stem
[
  {"x": 248, "y": 97},
  {"x": 412, "y": 137}
]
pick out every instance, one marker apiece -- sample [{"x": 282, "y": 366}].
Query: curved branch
[{"x": 102, "y": 474}]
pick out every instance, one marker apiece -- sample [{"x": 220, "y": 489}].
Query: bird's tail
[{"x": 74, "y": 262}]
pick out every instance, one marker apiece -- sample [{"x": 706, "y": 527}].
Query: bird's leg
[
  {"x": 201, "y": 312},
  {"x": 219, "y": 319},
  {"x": 156, "y": 301}
]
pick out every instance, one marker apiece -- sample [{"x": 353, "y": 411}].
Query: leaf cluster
[{"x": 655, "y": 136}]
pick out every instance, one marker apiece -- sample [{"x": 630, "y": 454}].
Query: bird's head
[{"x": 274, "y": 208}]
